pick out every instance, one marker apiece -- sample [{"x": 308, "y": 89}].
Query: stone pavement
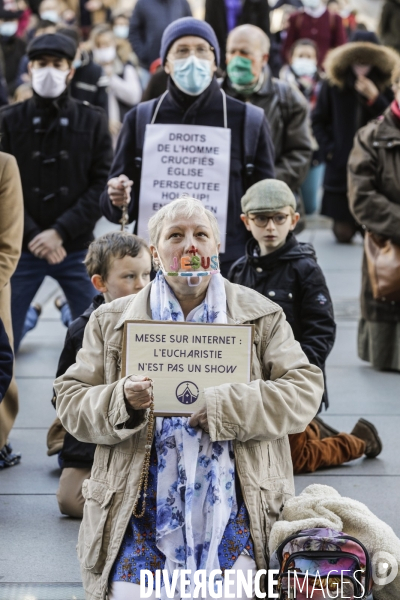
[{"x": 38, "y": 544}]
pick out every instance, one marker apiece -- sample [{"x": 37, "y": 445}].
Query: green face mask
[{"x": 239, "y": 71}]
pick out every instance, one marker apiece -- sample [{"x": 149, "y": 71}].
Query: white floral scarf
[{"x": 195, "y": 498}]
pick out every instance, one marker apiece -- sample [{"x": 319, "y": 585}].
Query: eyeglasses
[
  {"x": 263, "y": 220},
  {"x": 203, "y": 52}
]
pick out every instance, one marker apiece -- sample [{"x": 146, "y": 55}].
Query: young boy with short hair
[
  {"x": 119, "y": 264},
  {"x": 286, "y": 271}
]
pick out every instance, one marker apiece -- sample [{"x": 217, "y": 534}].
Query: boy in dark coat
[
  {"x": 119, "y": 264},
  {"x": 286, "y": 271}
]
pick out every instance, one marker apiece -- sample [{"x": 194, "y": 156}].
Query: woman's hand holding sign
[
  {"x": 119, "y": 190},
  {"x": 138, "y": 392}
]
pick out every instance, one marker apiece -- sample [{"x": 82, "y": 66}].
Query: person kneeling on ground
[
  {"x": 286, "y": 271},
  {"x": 119, "y": 265},
  {"x": 226, "y": 441}
]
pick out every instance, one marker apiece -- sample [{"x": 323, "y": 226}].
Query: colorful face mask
[
  {"x": 192, "y": 75},
  {"x": 192, "y": 266},
  {"x": 239, "y": 71}
]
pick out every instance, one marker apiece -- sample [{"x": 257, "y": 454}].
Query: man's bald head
[
  {"x": 247, "y": 44},
  {"x": 255, "y": 37}
]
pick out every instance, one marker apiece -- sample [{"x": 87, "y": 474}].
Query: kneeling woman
[{"x": 215, "y": 482}]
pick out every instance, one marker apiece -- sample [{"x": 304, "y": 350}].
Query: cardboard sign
[
  {"x": 184, "y": 358},
  {"x": 185, "y": 159}
]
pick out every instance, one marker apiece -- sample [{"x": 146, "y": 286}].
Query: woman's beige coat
[{"x": 282, "y": 398}]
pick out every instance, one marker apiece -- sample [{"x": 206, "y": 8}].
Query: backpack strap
[
  {"x": 253, "y": 123},
  {"x": 144, "y": 114}
]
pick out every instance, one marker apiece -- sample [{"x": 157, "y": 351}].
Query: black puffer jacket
[
  {"x": 291, "y": 277},
  {"x": 74, "y": 453}
]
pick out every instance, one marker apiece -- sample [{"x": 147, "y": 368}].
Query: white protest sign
[
  {"x": 185, "y": 159},
  {"x": 184, "y": 358}
]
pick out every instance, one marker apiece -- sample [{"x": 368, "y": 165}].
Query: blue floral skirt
[{"x": 139, "y": 551}]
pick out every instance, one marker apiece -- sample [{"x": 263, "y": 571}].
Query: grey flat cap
[{"x": 268, "y": 195}]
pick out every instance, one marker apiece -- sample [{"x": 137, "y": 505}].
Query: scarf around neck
[{"x": 195, "y": 477}]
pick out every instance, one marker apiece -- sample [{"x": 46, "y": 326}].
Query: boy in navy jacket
[{"x": 286, "y": 271}]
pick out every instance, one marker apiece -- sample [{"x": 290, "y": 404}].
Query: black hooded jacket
[{"x": 292, "y": 278}]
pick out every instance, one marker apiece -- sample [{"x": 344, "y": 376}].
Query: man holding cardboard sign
[
  {"x": 192, "y": 140},
  {"x": 186, "y": 493}
]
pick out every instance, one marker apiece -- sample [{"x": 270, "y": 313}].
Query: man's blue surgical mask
[{"x": 192, "y": 75}]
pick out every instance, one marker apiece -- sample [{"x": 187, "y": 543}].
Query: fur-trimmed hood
[
  {"x": 322, "y": 506},
  {"x": 382, "y": 60}
]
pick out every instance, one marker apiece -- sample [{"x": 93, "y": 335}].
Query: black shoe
[
  {"x": 8, "y": 458},
  {"x": 325, "y": 430},
  {"x": 367, "y": 432}
]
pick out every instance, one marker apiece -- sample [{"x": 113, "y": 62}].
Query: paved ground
[{"x": 38, "y": 544}]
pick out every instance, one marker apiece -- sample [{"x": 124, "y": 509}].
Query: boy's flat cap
[
  {"x": 268, "y": 195},
  {"x": 52, "y": 44}
]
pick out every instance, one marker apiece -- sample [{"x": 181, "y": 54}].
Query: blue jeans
[{"x": 70, "y": 274}]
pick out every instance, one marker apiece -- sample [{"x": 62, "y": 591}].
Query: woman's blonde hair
[
  {"x": 99, "y": 30},
  {"x": 185, "y": 206}
]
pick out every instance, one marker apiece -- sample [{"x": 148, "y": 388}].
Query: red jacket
[{"x": 326, "y": 31}]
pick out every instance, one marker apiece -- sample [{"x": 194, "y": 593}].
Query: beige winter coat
[{"x": 282, "y": 398}]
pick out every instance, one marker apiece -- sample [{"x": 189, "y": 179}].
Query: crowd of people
[{"x": 313, "y": 112}]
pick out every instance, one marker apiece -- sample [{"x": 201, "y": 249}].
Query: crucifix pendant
[{"x": 125, "y": 217}]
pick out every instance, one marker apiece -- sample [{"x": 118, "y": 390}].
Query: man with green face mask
[
  {"x": 189, "y": 54},
  {"x": 248, "y": 78}
]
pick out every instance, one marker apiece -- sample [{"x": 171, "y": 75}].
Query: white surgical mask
[
  {"x": 192, "y": 75},
  {"x": 103, "y": 56},
  {"x": 49, "y": 15},
  {"x": 49, "y": 82},
  {"x": 121, "y": 31},
  {"x": 304, "y": 66},
  {"x": 312, "y": 4},
  {"x": 8, "y": 28}
]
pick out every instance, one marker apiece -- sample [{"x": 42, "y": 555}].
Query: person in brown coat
[
  {"x": 11, "y": 228},
  {"x": 374, "y": 195}
]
